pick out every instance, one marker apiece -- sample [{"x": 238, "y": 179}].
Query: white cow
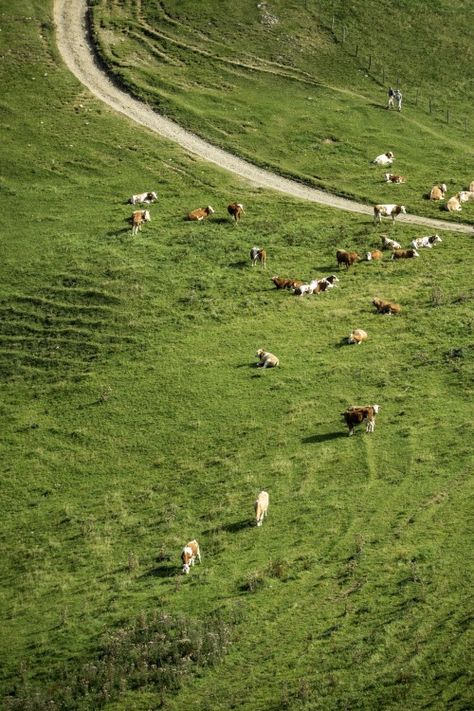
[
  {"x": 145, "y": 198},
  {"x": 426, "y": 241},
  {"x": 388, "y": 211},
  {"x": 384, "y": 159},
  {"x": 261, "y": 507}
]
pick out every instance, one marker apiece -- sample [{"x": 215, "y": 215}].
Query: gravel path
[{"x": 78, "y": 54}]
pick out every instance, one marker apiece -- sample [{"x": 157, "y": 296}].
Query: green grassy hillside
[
  {"x": 133, "y": 419},
  {"x": 302, "y": 87}
]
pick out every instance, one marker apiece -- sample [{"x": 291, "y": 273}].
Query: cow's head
[{"x": 376, "y": 408}]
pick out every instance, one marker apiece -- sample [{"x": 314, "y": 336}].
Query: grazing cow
[
  {"x": 261, "y": 507},
  {"x": 358, "y": 336},
  {"x": 258, "y": 255},
  {"x": 453, "y": 205},
  {"x": 375, "y": 255},
  {"x": 236, "y": 210},
  {"x": 138, "y": 218},
  {"x": 465, "y": 195},
  {"x": 189, "y": 554},
  {"x": 346, "y": 258},
  {"x": 388, "y": 243},
  {"x": 384, "y": 159},
  {"x": 438, "y": 191},
  {"x": 426, "y": 241},
  {"x": 357, "y": 415},
  {"x": 404, "y": 253},
  {"x": 388, "y": 211},
  {"x": 266, "y": 359},
  {"x": 391, "y": 178},
  {"x": 145, "y": 198},
  {"x": 200, "y": 213},
  {"x": 386, "y": 307}
]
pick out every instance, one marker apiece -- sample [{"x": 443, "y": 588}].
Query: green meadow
[{"x": 134, "y": 419}]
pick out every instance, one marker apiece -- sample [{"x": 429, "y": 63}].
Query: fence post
[
  {"x": 447, "y": 115},
  {"x": 383, "y": 75},
  {"x": 431, "y": 107},
  {"x": 370, "y": 61},
  {"x": 333, "y": 21},
  {"x": 357, "y": 50},
  {"x": 343, "y": 34},
  {"x": 416, "y": 98}
]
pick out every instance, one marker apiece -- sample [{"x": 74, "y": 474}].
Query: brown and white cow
[
  {"x": 258, "y": 255},
  {"x": 145, "y": 198},
  {"x": 391, "y": 178},
  {"x": 438, "y": 191},
  {"x": 384, "y": 159},
  {"x": 138, "y": 218},
  {"x": 404, "y": 253},
  {"x": 200, "y": 213},
  {"x": 374, "y": 256},
  {"x": 386, "y": 307},
  {"x": 346, "y": 258},
  {"x": 261, "y": 507},
  {"x": 426, "y": 241},
  {"x": 356, "y": 415},
  {"x": 358, "y": 336},
  {"x": 189, "y": 554},
  {"x": 388, "y": 243},
  {"x": 236, "y": 210},
  {"x": 266, "y": 359},
  {"x": 388, "y": 211},
  {"x": 453, "y": 205}
]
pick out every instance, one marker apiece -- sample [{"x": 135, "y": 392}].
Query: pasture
[{"x": 134, "y": 419}]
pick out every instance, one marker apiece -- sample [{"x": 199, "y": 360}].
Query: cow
[
  {"x": 282, "y": 283},
  {"x": 453, "y": 205},
  {"x": 143, "y": 198},
  {"x": 306, "y": 288},
  {"x": 325, "y": 284},
  {"x": 404, "y": 253},
  {"x": 465, "y": 195},
  {"x": 346, "y": 258},
  {"x": 471, "y": 187},
  {"x": 266, "y": 359},
  {"x": 391, "y": 178},
  {"x": 261, "y": 507},
  {"x": 200, "y": 213},
  {"x": 438, "y": 191},
  {"x": 388, "y": 211},
  {"x": 357, "y": 336},
  {"x": 236, "y": 210},
  {"x": 258, "y": 255},
  {"x": 388, "y": 243},
  {"x": 138, "y": 218},
  {"x": 384, "y": 159},
  {"x": 189, "y": 554},
  {"x": 357, "y": 415},
  {"x": 374, "y": 256},
  {"x": 386, "y": 307},
  {"x": 426, "y": 241}
]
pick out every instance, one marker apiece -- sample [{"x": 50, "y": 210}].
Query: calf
[
  {"x": 438, "y": 191},
  {"x": 404, "y": 253},
  {"x": 261, "y": 507},
  {"x": 384, "y": 159},
  {"x": 374, "y": 256},
  {"x": 138, "y": 218},
  {"x": 386, "y": 307},
  {"x": 453, "y": 205},
  {"x": 426, "y": 241},
  {"x": 189, "y": 554},
  {"x": 357, "y": 415},
  {"x": 388, "y": 211},
  {"x": 346, "y": 258},
  {"x": 266, "y": 359},
  {"x": 388, "y": 243},
  {"x": 357, "y": 336},
  {"x": 200, "y": 213},
  {"x": 235, "y": 210},
  {"x": 258, "y": 255},
  {"x": 391, "y": 178},
  {"x": 145, "y": 198}
]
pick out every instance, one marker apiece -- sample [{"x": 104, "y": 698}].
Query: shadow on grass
[
  {"x": 234, "y": 527},
  {"x": 162, "y": 571},
  {"x": 343, "y": 342},
  {"x": 324, "y": 437},
  {"x": 243, "y": 264}
]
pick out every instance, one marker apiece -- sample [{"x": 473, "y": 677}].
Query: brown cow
[
  {"x": 189, "y": 554},
  {"x": 386, "y": 307},
  {"x": 200, "y": 213},
  {"x": 138, "y": 218},
  {"x": 357, "y": 415},
  {"x": 404, "y": 253},
  {"x": 346, "y": 258},
  {"x": 236, "y": 210}
]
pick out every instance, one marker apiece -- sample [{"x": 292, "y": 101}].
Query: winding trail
[{"x": 78, "y": 53}]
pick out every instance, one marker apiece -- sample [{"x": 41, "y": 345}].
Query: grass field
[
  {"x": 276, "y": 84},
  {"x": 133, "y": 419}
]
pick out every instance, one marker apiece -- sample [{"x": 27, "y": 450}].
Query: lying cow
[
  {"x": 404, "y": 253},
  {"x": 258, "y": 255},
  {"x": 266, "y": 359},
  {"x": 236, "y": 210},
  {"x": 386, "y": 307},
  {"x": 357, "y": 415},
  {"x": 426, "y": 242},
  {"x": 388, "y": 243},
  {"x": 138, "y": 218},
  {"x": 438, "y": 191},
  {"x": 306, "y": 288},
  {"x": 374, "y": 256},
  {"x": 357, "y": 336},
  {"x": 282, "y": 283},
  {"x": 346, "y": 258},
  {"x": 200, "y": 213},
  {"x": 384, "y": 159},
  {"x": 453, "y": 205},
  {"x": 189, "y": 554},
  {"x": 261, "y": 507},
  {"x": 391, "y": 178},
  {"x": 388, "y": 211},
  {"x": 143, "y": 198}
]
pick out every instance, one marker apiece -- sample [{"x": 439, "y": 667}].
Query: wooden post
[
  {"x": 416, "y": 98},
  {"x": 333, "y": 21},
  {"x": 357, "y": 50},
  {"x": 383, "y": 76},
  {"x": 431, "y": 107},
  {"x": 447, "y": 115},
  {"x": 370, "y": 61},
  {"x": 343, "y": 34}
]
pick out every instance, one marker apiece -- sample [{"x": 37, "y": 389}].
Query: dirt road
[{"x": 78, "y": 54}]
